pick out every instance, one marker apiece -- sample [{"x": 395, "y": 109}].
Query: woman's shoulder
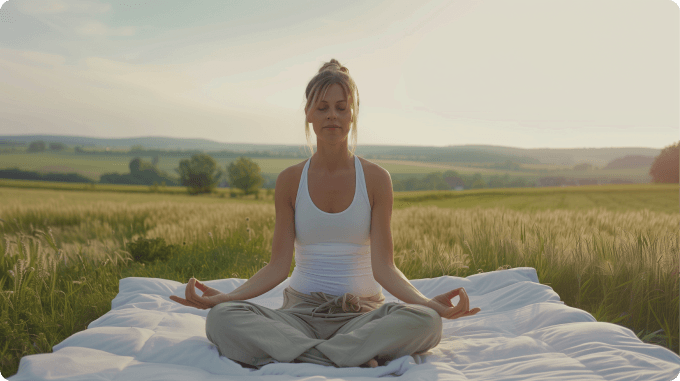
[
  {"x": 374, "y": 171},
  {"x": 293, "y": 171},
  {"x": 378, "y": 181},
  {"x": 288, "y": 180}
]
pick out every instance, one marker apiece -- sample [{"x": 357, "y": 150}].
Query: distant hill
[
  {"x": 630, "y": 161},
  {"x": 569, "y": 156},
  {"x": 154, "y": 142},
  {"x": 461, "y": 154}
]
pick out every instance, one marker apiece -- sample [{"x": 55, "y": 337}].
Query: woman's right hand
[
  {"x": 209, "y": 299},
  {"x": 442, "y": 304}
]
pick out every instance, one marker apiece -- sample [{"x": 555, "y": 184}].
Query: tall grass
[
  {"x": 60, "y": 262},
  {"x": 622, "y": 267},
  {"x": 50, "y": 293}
]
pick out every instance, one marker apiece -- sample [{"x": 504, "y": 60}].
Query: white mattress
[{"x": 524, "y": 332}]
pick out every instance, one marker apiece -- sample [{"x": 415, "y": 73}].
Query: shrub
[
  {"x": 146, "y": 250},
  {"x": 37, "y": 146}
]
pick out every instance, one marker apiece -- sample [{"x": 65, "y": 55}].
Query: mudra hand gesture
[
  {"x": 442, "y": 304},
  {"x": 207, "y": 300}
]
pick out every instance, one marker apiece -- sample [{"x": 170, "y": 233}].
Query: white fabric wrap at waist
[{"x": 334, "y": 269}]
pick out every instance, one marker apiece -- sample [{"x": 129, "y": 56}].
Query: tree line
[
  {"x": 452, "y": 180},
  {"x": 201, "y": 174}
]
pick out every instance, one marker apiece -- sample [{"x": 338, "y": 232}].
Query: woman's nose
[{"x": 331, "y": 113}]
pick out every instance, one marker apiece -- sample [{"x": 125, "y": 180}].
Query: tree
[
  {"x": 245, "y": 174},
  {"x": 665, "y": 166},
  {"x": 496, "y": 181},
  {"x": 435, "y": 181},
  {"x": 36, "y": 146},
  {"x": 138, "y": 166},
  {"x": 57, "y": 146},
  {"x": 199, "y": 174},
  {"x": 141, "y": 173},
  {"x": 518, "y": 182},
  {"x": 583, "y": 167},
  {"x": 453, "y": 179},
  {"x": 477, "y": 181},
  {"x": 135, "y": 165}
]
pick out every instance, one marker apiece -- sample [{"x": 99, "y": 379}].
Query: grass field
[
  {"x": 93, "y": 166},
  {"x": 661, "y": 198},
  {"x": 609, "y": 250}
]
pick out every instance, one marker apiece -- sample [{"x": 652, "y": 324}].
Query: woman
[{"x": 334, "y": 210}]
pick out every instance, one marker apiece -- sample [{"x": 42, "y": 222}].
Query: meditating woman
[{"x": 333, "y": 210}]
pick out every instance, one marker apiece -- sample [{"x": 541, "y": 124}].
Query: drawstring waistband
[
  {"x": 331, "y": 304},
  {"x": 347, "y": 302}
]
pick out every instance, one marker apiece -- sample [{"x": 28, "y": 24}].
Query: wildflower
[{"x": 247, "y": 219}]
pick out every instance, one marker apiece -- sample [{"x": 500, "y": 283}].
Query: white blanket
[{"x": 524, "y": 332}]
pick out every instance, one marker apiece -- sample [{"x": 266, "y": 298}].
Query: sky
[{"x": 517, "y": 73}]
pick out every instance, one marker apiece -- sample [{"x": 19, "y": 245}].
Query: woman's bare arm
[
  {"x": 272, "y": 274},
  {"x": 386, "y": 272},
  {"x": 276, "y": 271}
]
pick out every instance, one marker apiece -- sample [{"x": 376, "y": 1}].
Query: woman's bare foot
[{"x": 373, "y": 363}]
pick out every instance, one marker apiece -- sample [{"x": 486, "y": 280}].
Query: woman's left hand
[
  {"x": 442, "y": 304},
  {"x": 209, "y": 299}
]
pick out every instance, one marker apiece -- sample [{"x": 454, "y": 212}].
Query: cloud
[
  {"x": 113, "y": 98},
  {"x": 38, "y": 58},
  {"x": 65, "y": 20},
  {"x": 96, "y": 28},
  {"x": 35, "y": 7}
]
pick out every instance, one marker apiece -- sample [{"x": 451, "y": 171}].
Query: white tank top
[{"x": 332, "y": 250}]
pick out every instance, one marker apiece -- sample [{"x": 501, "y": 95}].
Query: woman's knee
[
  {"x": 434, "y": 320},
  {"x": 220, "y": 314},
  {"x": 424, "y": 319}
]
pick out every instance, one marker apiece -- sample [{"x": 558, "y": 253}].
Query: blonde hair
[{"x": 333, "y": 72}]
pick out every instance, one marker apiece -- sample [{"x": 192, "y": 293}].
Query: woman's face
[{"x": 331, "y": 116}]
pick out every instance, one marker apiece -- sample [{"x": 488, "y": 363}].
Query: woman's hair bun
[{"x": 333, "y": 65}]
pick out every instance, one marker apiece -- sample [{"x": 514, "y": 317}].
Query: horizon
[
  {"x": 302, "y": 144},
  {"x": 512, "y": 73}
]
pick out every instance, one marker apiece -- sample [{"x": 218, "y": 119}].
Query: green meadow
[
  {"x": 652, "y": 197},
  {"x": 95, "y": 165},
  {"x": 609, "y": 250}
]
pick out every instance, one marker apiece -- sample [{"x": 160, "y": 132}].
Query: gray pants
[{"x": 324, "y": 329}]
